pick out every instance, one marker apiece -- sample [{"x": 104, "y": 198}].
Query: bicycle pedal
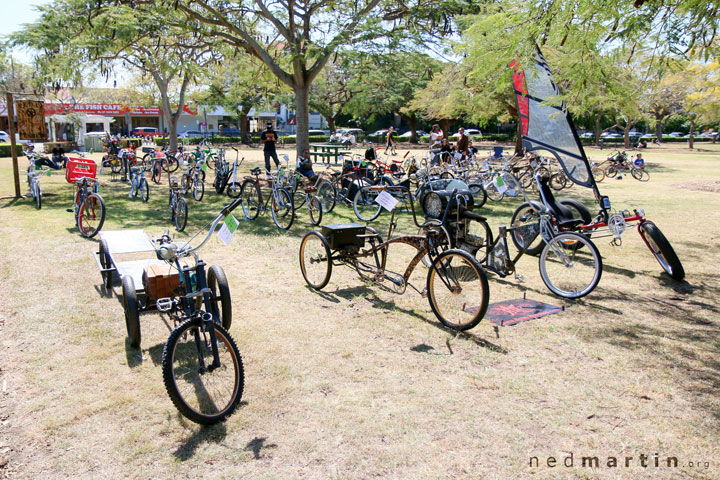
[{"x": 164, "y": 304}]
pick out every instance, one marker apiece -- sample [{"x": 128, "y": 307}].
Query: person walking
[
  {"x": 268, "y": 138},
  {"x": 390, "y": 141}
]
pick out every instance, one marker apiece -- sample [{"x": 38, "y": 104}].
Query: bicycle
[
  {"x": 178, "y": 205},
  {"x": 309, "y": 198},
  {"x": 226, "y": 176},
  {"x": 33, "y": 179},
  {"x": 252, "y": 201},
  {"x": 88, "y": 207},
  {"x": 138, "y": 183},
  {"x": 194, "y": 179},
  {"x": 456, "y": 285},
  {"x": 619, "y": 164},
  {"x": 202, "y": 367}
]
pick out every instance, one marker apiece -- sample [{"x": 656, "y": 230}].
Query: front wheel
[
  {"x": 315, "y": 207},
  {"x": 661, "y": 248},
  {"x": 611, "y": 171},
  {"x": 91, "y": 215},
  {"x": 315, "y": 260},
  {"x": 327, "y": 194},
  {"x": 204, "y": 392},
  {"x": 458, "y": 290},
  {"x": 566, "y": 269},
  {"x": 480, "y": 196},
  {"x": 365, "y": 206},
  {"x": 283, "y": 210},
  {"x": 251, "y": 199},
  {"x": 234, "y": 189},
  {"x": 181, "y": 214},
  {"x": 640, "y": 174},
  {"x": 144, "y": 189},
  {"x": 492, "y": 191},
  {"x": 38, "y": 197},
  {"x": 170, "y": 164},
  {"x": 598, "y": 174},
  {"x": 198, "y": 189}
]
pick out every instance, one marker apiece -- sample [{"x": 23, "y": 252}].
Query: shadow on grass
[
  {"x": 256, "y": 445},
  {"x": 204, "y": 434}
]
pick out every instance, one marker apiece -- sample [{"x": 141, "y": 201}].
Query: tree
[
  {"x": 389, "y": 83},
  {"x": 701, "y": 102},
  {"x": 72, "y": 32},
  {"x": 297, "y": 38},
  {"x": 333, "y": 89}
]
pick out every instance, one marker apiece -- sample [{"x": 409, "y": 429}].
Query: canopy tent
[{"x": 81, "y": 121}]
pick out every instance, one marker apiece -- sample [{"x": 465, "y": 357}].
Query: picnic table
[{"x": 326, "y": 151}]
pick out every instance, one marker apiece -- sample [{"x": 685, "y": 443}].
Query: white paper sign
[
  {"x": 458, "y": 156},
  {"x": 228, "y": 229},
  {"x": 387, "y": 201},
  {"x": 286, "y": 158},
  {"x": 501, "y": 185}
]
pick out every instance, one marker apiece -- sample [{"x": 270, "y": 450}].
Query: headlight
[
  {"x": 432, "y": 205},
  {"x": 167, "y": 252}
]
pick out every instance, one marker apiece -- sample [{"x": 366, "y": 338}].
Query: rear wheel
[
  {"x": 640, "y": 174},
  {"x": 525, "y": 214},
  {"x": 365, "y": 206},
  {"x": 170, "y": 164},
  {"x": 479, "y": 194},
  {"x": 218, "y": 285},
  {"x": 202, "y": 392},
  {"x": 198, "y": 189},
  {"x": 157, "y": 171},
  {"x": 38, "y": 197},
  {"x": 105, "y": 263},
  {"x": 91, "y": 216},
  {"x": 181, "y": 214},
  {"x": 283, "y": 211},
  {"x": 251, "y": 199},
  {"x": 132, "y": 312},
  {"x": 234, "y": 189},
  {"x": 315, "y": 260},
  {"x": 566, "y": 269},
  {"x": 492, "y": 190},
  {"x": 457, "y": 290},
  {"x": 611, "y": 171},
  {"x": 663, "y": 251},
  {"x": 144, "y": 189},
  {"x": 326, "y": 192},
  {"x": 558, "y": 181},
  {"x": 315, "y": 207},
  {"x": 598, "y": 174}
]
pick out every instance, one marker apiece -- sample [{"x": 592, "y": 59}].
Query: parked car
[
  {"x": 311, "y": 133},
  {"x": 355, "y": 131},
  {"x": 230, "y": 132},
  {"x": 4, "y": 137},
  {"x": 145, "y": 132},
  {"x": 379, "y": 133},
  {"x": 196, "y": 133},
  {"x": 408, "y": 134},
  {"x": 676, "y": 134},
  {"x": 468, "y": 131}
]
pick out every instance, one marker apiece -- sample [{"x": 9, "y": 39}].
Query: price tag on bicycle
[
  {"x": 387, "y": 201},
  {"x": 501, "y": 185},
  {"x": 228, "y": 229}
]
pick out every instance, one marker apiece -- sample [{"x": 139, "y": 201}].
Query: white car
[
  {"x": 470, "y": 132},
  {"x": 676, "y": 134},
  {"x": 194, "y": 133},
  {"x": 382, "y": 132},
  {"x": 587, "y": 135},
  {"x": 311, "y": 133},
  {"x": 408, "y": 134},
  {"x": 4, "y": 137}
]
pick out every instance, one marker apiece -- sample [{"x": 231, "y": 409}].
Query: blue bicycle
[{"x": 138, "y": 183}]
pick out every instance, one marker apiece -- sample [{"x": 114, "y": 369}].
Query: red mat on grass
[{"x": 518, "y": 310}]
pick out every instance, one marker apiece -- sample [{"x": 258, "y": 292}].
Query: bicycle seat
[
  {"x": 336, "y": 174},
  {"x": 563, "y": 215},
  {"x": 255, "y": 171}
]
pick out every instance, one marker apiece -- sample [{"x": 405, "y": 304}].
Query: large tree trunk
[
  {"x": 659, "y": 127},
  {"x": 598, "y": 131},
  {"x": 245, "y": 138},
  {"x": 691, "y": 140},
  {"x": 331, "y": 123},
  {"x": 445, "y": 127},
  {"x": 172, "y": 122},
  {"x": 302, "y": 111},
  {"x": 412, "y": 121},
  {"x": 518, "y": 140},
  {"x": 626, "y": 135}
]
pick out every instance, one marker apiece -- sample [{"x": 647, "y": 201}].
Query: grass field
[{"x": 357, "y": 382}]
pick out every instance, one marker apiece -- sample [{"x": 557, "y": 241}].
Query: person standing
[
  {"x": 462, "y": 144},
  {"x": 390, "y": 141},
  {"x": 268, "y": 138},
  {"x": 436, "y": 136}
]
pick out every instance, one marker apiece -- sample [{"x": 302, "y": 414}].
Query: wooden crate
[{"x": 160, "y": 281}]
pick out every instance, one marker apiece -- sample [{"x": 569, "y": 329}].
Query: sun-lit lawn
[{"x": 355, "y": 381}]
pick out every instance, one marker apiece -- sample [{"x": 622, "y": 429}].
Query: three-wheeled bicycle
[
  {"x": 456, "y": 286},
  {"x": 202, "y": 367}
]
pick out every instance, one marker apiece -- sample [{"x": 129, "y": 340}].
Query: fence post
[{"x": 13, "y": 145}]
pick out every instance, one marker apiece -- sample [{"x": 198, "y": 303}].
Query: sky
[{"x": 15, "y": 14}]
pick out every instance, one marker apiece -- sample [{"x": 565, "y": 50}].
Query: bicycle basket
[
  {"x": 78, "y": 168},
  {"x": 344, "y": 236}
]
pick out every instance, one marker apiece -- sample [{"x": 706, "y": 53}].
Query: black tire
[
  {"x": 315, "y": 260},
  {"x": 186, "y": 182},
  {"x": 132, "y": 311},
  {"x": 640, "y": 174},
  {"x": 91, "y": 215},
  {"x": 170, "y": 164},
  {"x": 38, "y": 198},
  {"x": 364, "y": 205},
  {"x": 234, "y": 189},
  {"x": 662, "y": 250},
  {"x": 105, "y": 263},
  {"x": 479, "y": 194},
  {"x": 447, "y": 176},
  {"x": 492, "y": 191},
  {"x": 217, "y": 282},
  {"x": 611, "y": 171},
  {"x": 568, "y": 270},
  {"x": 251, "y": 199},
  {"x": 144, "y": 189},
  {"x": 283, "y": 209},
  {"x": 458, "y": 290},
  {"x": 316, "y": 213},
  {"x": 326, "y": 192},
  {"x": 219, "y": 183},
  {"x": 181, "y": 214},
  {"x": 579, "y": 208},
  {"x": 524, "y": 214},
  {"x": 558, "y": 181},
  {"x": 157, "y": 172},
  {"x": 147, "y": 162},
  {"x": 198, "y": 190},
  {"x": 191, "y": 388}
]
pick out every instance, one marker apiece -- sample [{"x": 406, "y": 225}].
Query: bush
[
  {"x": 126, "y": 142},
  {"x": 6, "y": 152}
]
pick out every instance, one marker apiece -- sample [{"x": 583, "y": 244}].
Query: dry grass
[{"x": 356, "y": 382}]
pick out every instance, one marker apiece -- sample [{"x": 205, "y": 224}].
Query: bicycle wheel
[
  {"x": 526, "y": 177},
  {"x": 283, "y": 210},
  {"x": 91, "y": 215},
  {"x": 181, "y": 214},
  {"x": 115, "y": 166},
  {"x": 598, "y": 174},
  {"x": 157, "y": 172},
  {"x": 105, "y": 263},
  {"x": 315, "y": 207},
  {"x": 566, "y": 269},
  {"x": 132, "y": 312},
  {"x": 234, "y": 189},
  {"x": 185, "y": 183},
  {"x": 492, "y": 191},
  {"x": 513, "y": 186},
  {"x": 480, "y": 196},
  {"x": 202, "y": 392},
  {"x": 558, "y": 181},
  {"x": 327, "y": 194},
  {"x": 38, "y": 197},
  {"x": 218, "y": 284},
  {"x": 315, "y": 260},
  {"x": 147, "y": 162},
  {"x": 170, "y": 164},
  {"x": 611, "y": 171},
  {"x": 365, "y": 206},
  {"x": 251, "y": 199},
  {"x": 144, "y": 189},
  {"x": 640, "y": 174},
  {"x": 661, "y": 248},
  {"x": 526, "y": 215},
  {"x": 198, "y": 189},
  {"x": 457, "y": 290},
  {"x": 211, "y": 161}
]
